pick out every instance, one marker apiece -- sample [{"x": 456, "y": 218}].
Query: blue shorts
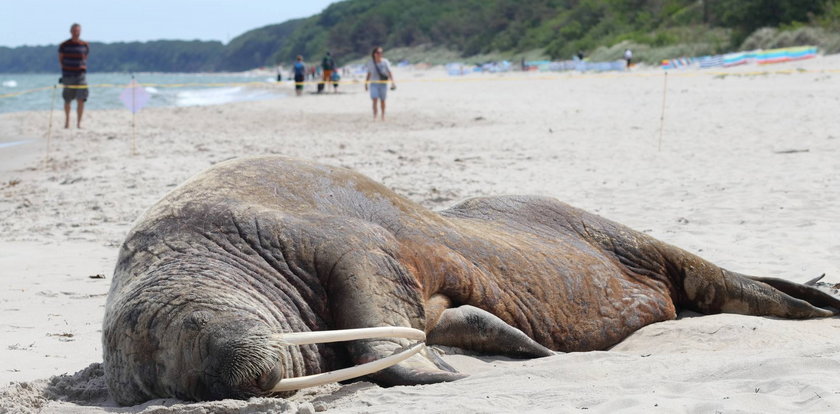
[{"x": 378, "y": 91}]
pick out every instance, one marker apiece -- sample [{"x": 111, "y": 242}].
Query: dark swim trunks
[{"x": 78, "y": 88}]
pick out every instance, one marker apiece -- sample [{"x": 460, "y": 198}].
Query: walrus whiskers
[{"x": 317, "y": 337}]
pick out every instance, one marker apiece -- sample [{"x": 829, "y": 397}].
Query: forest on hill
[
  {"x": 553, "y": 29},
  {"x": 154, "y": 56}
]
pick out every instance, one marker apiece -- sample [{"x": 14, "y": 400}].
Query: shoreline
[
  {"x": 166, "y": 90},
  {"x": 285, "y": 87},
  {"x": 745, "y": 177}
]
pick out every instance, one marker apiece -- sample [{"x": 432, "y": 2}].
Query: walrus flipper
[
  {"x": 807, "y": 292},
  {"x": 710, "y": 289},
  {"x": 698, "y": 284},
  {"x": 368, "y": 287},
  {"x": 475, "y": 329},
  {"x": 423, "y": 368}
]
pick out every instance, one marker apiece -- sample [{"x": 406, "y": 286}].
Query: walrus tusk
[
  {"x": 320, "y": 337},
  {"x": 304, "y": 338},
  {"x": 291, "y": 384}
]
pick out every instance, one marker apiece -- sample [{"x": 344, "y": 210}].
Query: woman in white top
[{"x": 378, "y": 75}]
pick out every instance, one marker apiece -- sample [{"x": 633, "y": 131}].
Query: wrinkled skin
[{"x": 266, "y": 245}]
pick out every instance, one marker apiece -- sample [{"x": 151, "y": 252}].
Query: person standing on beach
[
  {"x": 72, "y": 56},
  {"x": 378, "y": 75},
  {"x": 628, "y": 56},
  {"x": 327, "y": 66},
  {"x": 300, "y": 75}
]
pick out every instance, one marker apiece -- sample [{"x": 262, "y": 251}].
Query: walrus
[{"x": 255, "y": 247}]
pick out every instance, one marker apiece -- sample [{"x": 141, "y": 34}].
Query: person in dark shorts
[
  {"x": 72, "y": 55},
  {"x": 300, "y": 75}
]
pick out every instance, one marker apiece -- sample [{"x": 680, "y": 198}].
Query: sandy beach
[{"x": 743, "y": 171}]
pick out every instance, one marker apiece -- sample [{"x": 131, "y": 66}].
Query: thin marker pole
[
  {"x": 662, "y": 116},
  {"x": 133, "y": 115},
  {"x": 49, "y": 127}
]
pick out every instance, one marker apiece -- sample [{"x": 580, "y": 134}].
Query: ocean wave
[
  {"x": 218, "y": 96},
  {"x": 108, "y": 97}
]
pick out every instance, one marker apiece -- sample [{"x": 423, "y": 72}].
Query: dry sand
[{"x": 748, "y": 176}]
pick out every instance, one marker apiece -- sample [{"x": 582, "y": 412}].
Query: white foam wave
[
  {"x": 10, "y": 84},
  {"x": 152, "y": 90},
  {"x": 218, "y": 96}
]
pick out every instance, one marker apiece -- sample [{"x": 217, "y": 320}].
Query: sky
[{"x": 42, "y": 22}]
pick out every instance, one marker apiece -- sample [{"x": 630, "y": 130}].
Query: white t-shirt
[{"x": 384, "y": 67}]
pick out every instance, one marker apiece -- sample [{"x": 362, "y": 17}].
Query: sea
[{"x": 35, "y": 92}]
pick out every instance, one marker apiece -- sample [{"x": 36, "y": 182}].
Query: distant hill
[
  {"x": 560, "y": 28},
  {"x": 556, "y": 29},
  {"x": 256, "y": 47},
  {"x": 154, "y": 56}
]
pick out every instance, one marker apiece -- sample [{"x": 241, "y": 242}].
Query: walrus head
[
  {"x": 241, "y": 357},
  {"x": 195, "y": 344},
  {"x": 238, "y": 357},
  {"x": 195, "y": 339}
]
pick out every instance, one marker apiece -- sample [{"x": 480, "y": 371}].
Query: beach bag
[
  {"x": 382, "y": 77},
  {"x": 320, "y": 87}
]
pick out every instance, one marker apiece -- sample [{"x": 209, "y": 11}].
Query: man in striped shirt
[{"x": 72, "y": 55}]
